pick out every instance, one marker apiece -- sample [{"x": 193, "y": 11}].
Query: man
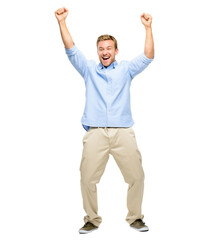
[{"x": 108, "y": 121}]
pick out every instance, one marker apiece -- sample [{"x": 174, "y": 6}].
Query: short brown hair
[{"x": 107, "y": 37}]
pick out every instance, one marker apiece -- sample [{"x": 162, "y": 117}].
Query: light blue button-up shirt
[{"x": 107, "y": 89}]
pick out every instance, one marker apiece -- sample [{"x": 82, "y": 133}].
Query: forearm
[
  {"x": 65, "y": 35},
  {"x": 149, "y": 43}
]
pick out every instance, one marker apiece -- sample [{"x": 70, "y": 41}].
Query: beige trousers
[{"x": 98, "y": 143}]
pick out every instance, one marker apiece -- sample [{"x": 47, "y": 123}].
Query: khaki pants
[{"x": 121, "y": 144}]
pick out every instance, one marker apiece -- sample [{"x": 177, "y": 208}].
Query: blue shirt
[{"x": 107, "y": 89}]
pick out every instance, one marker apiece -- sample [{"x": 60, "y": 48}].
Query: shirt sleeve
[
  {"x": 77, "y": 59},
  {"x": 138, "y": 64}
]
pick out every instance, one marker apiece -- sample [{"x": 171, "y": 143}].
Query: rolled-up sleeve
[
  {"x": 77, "y": 59},
  {"x": 138, "y": 64}
]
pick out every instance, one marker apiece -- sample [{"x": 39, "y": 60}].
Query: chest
[{"x": 118, "y": 76}]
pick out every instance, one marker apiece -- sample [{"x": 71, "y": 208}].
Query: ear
[{"x": 116, "y": 51}]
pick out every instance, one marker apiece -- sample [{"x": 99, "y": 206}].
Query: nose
[{"x": 104, "y": 52}]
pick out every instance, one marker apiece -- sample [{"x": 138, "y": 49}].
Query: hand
[
  {"x": 146, "y": 19},
  {"x": 61, "y": 14}
]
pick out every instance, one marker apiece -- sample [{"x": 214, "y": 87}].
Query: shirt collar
[{"x": 113, "y": 65}]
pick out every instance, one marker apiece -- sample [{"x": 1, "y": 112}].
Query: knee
[
  {"x": 90, "y": 178},
  {"x": 87, "y": 179},
  {"x": 140, "y": 177},
  {"x": 87, "y": 182},
  {"x": 135, "y": 178}
]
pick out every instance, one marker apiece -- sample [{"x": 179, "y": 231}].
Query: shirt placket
[{"x": 109, "y": 89}]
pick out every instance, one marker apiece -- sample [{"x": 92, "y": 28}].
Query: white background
[{"x": 175, "y": 103}]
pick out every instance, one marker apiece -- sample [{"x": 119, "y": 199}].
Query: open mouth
[{"x": 105, "y": 58}]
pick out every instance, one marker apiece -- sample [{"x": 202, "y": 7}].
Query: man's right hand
[{"x": 61, "y": 14}]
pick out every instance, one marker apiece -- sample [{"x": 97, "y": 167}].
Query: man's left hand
[{"x": 146, "y": 19}]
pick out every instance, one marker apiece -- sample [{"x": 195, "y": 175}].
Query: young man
[{"x": 108, "y": 121}]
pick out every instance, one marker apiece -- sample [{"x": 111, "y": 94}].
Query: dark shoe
[
  {"x": 139, "y": 225},
  {"x": 87, "y": 228}
]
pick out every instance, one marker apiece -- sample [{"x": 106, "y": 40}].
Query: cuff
[
  {"x": 71, "y": 51},
  {"x": 146, "y": 59}
]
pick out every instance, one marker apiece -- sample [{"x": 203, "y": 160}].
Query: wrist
[
  {"x": 148, "y": 28},
  {"x": 62, "y": 22}
]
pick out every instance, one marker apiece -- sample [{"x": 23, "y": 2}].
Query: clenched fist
[
  {"x": 146, "y": 19},
  {"x": 61, "y": 14}
]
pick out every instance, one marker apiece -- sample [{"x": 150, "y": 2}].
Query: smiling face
[{"x": 106, "y": 52}]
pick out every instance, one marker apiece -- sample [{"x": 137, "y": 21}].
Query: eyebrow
[{"x": 107, "y": 47}]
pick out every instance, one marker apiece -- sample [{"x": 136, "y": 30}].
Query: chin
[{"x": 106, "y": 65}]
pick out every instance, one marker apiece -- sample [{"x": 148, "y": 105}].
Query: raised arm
[
  {"x": 146, "y": 19},
  {"x": 75, "y": 56},
  {"x": 61, "y": 15},
  {"x": 138, "y": 64}
]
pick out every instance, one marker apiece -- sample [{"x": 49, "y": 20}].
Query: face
[{"x": 106, "y": 52}]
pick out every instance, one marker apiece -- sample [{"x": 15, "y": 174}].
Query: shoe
[
  {"x": 87, "y": 228},
  {"x": 139, "y": 225}
]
